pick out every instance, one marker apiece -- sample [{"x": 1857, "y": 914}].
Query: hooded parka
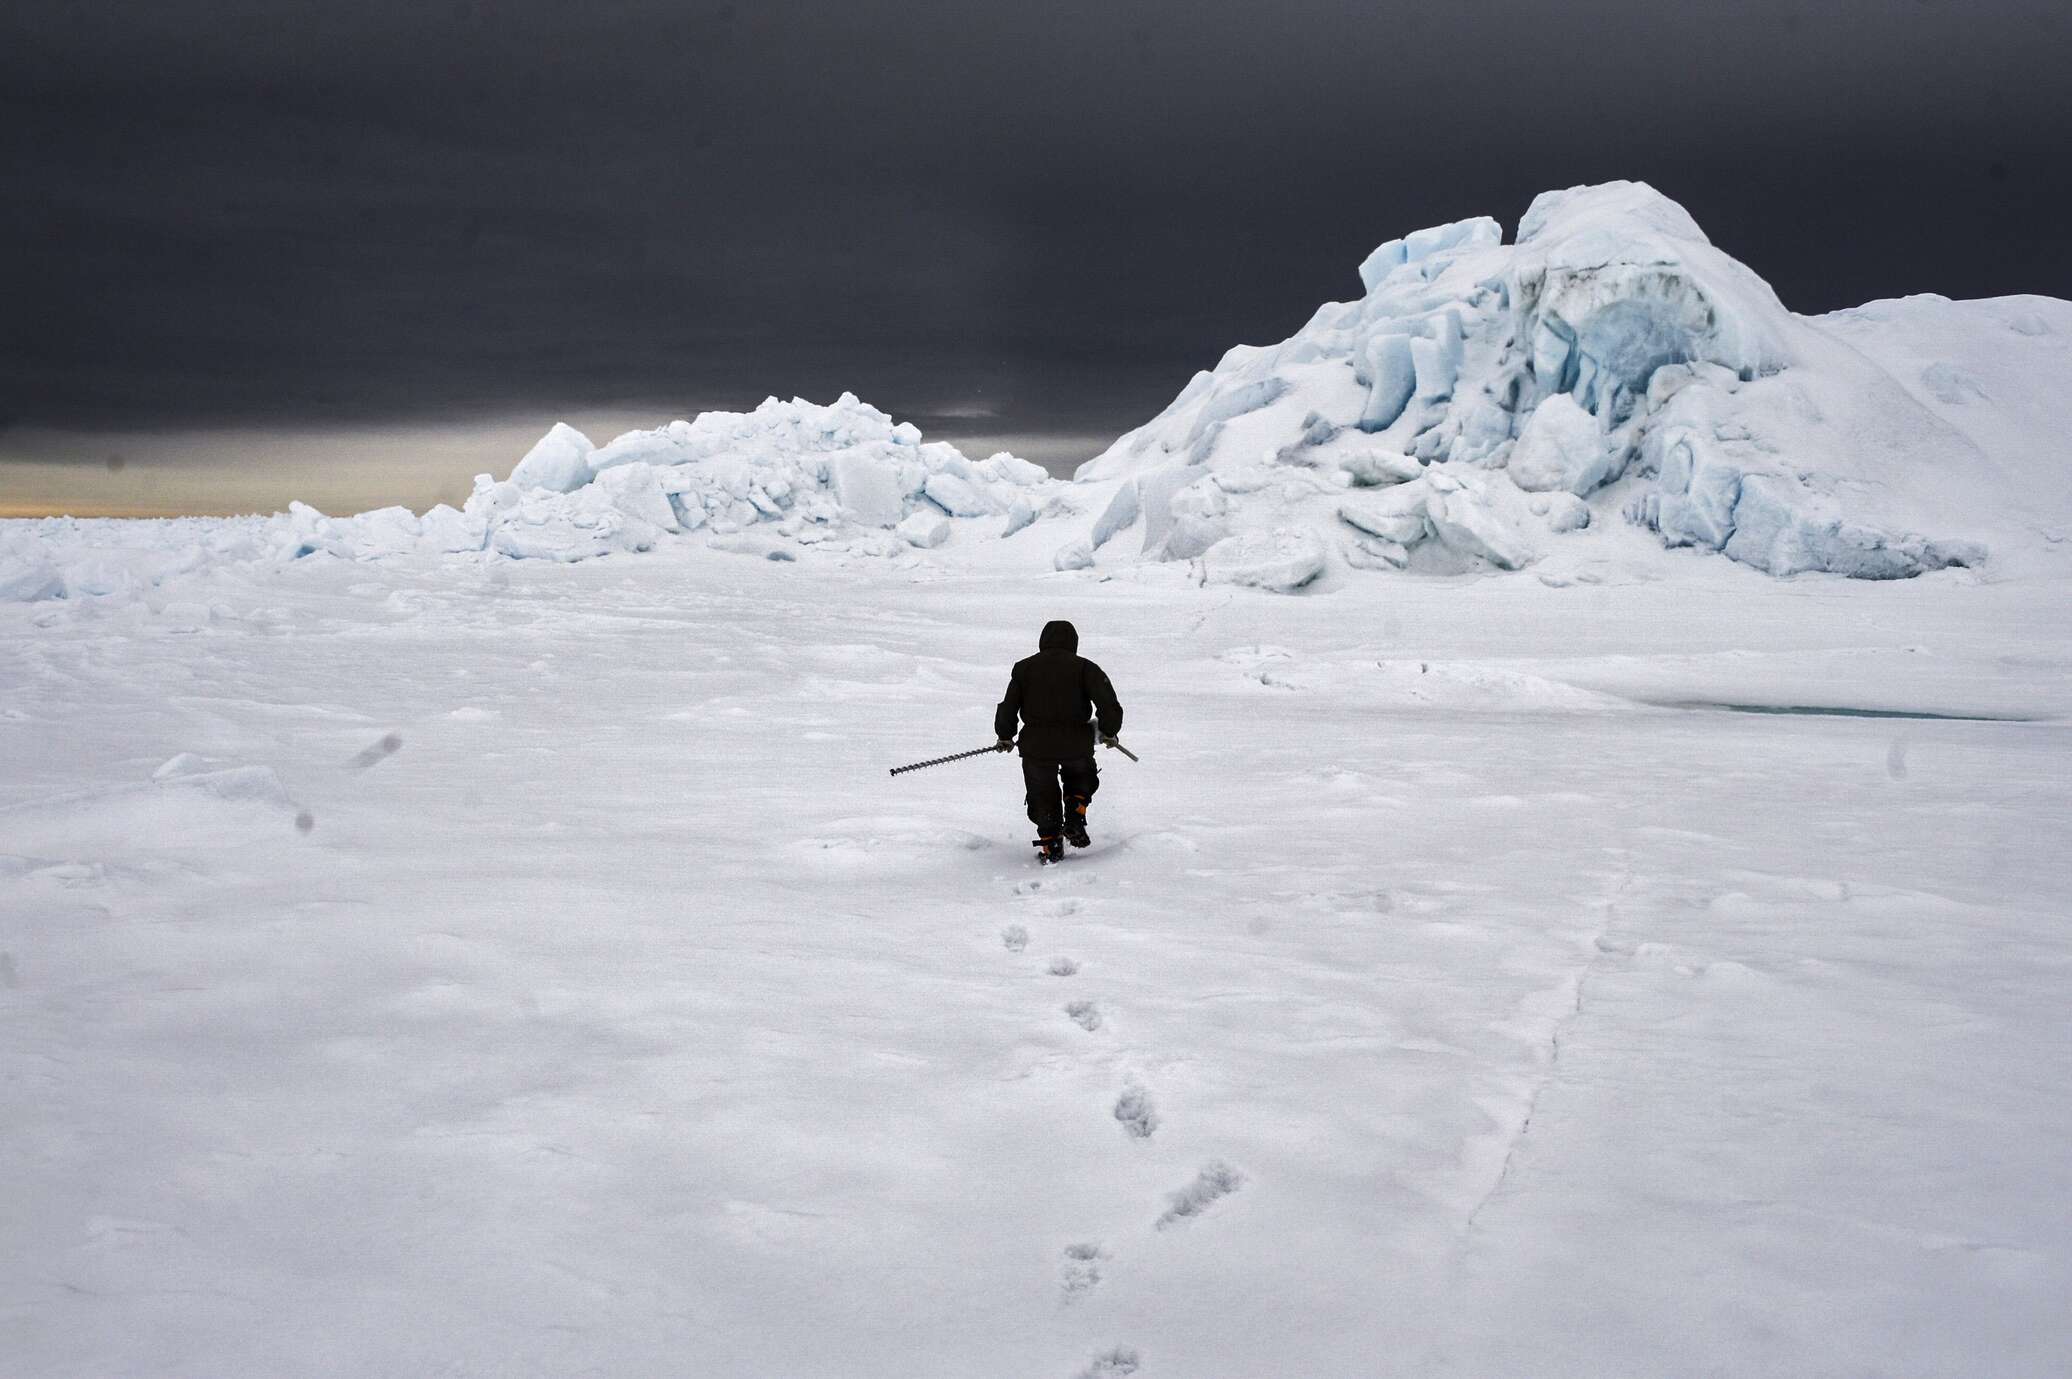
[{"x": 1054, "y": 694}]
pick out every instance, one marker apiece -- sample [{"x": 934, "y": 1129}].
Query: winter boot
[
  {"x": 1050, "y": 849},
  {"x": 1075, "y": 821}
]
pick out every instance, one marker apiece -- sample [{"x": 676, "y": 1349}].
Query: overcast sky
[{"x": 1018, "y": 220}]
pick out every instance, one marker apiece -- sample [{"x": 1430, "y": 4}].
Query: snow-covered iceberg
[{"x": 1483, "y": 401}]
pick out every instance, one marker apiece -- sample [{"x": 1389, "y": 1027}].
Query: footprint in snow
[
  {"x": 1082, "y": 1269},
  {"x": 1118, "y": 1363},
  {"x": 1085, "y": 1014},
  {"x": 1015, "y": 937},
  {"x": 379, "y": 751},
  {"x": 1136, "y": 1113},
  {"x": 1063, "y": 967},
  {"x": 1209, "y": 1187}
]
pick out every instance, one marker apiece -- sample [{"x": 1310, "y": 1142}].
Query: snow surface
[
  {"x": 455, "y": 965},
  {"x": 1613, "y": 352}
]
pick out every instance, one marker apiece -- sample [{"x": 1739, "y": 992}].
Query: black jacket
[{"x": 1054, "y": 692}]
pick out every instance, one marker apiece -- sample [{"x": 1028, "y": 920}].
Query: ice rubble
[
  {"x": 1455, "y": 415},
  {"x": 843, "y": 477}
]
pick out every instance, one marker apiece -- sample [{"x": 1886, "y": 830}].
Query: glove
[
  {"x": 1108, "y": 740},
  {"x": 1005, "y": 744}
]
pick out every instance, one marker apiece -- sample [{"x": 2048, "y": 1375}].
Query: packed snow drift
[{"x": 1483, "y": 403}]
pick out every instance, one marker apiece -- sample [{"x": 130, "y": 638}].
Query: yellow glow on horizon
[{"x": 46, "y": 473}]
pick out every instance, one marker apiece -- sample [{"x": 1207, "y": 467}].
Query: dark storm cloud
[{"x": 342, "y": 212}]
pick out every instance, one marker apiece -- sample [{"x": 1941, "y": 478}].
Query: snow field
[{"x": 1432, "y": 996}]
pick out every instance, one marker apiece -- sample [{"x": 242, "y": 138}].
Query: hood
[{"x": 1058, "y": 636}]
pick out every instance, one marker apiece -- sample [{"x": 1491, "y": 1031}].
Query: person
[{"x": 1053, "y": 694}]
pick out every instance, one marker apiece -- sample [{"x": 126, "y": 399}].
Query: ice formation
[
  {"x": 843, "y": 477},
  {"x": 1608, "y": 385},
  {"x": 1482, "y": 400}
]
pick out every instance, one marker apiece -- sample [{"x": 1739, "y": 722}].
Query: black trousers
[{"x": 1049, "y": 781}]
